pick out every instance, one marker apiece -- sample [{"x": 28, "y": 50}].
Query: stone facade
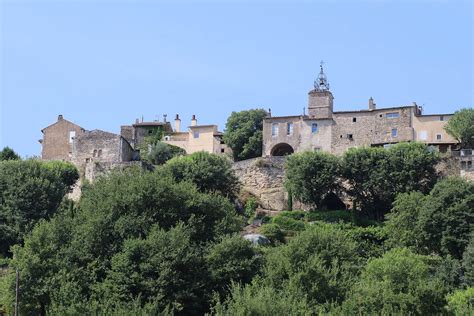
[
  {"x": 100, "y": 146},
  {"x": 136, "y": 133},
  {"x": 57, "y": 141}
]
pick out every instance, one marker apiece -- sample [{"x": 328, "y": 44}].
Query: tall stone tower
[{"x": 320, "y": 99}]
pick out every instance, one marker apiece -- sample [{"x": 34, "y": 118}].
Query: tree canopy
[
  {"x": 8, "y": 154},
  {"x": 243, "y": 133},
  {"x": 461, "y": 127}
]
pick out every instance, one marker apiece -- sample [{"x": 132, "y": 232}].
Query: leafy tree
[
  {"x": 161, "y": 152},
  {"x": 243, "y": 133},
  {"x": 8, "y": 154},
  {"x": 461, "y": 127},
  {"x": 468, "y": 262},
  {"x": 29, "y": 191},
  {"x": 209, "y": 172},
  {"x": 311, "y": 176},
  {"x": 376, "y": 175},
  {"x": 398, "y": 283},
  {"x": 164, "y": 268},
  {"x": 461, "y": 302},
  {"x": 447, "y": 217},
  {"x": 233, "y": 259},
  {"x": 402, "y": 221},
  {"x": 320, "y": 263}
]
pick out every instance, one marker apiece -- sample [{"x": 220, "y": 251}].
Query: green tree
[
  {"x": 311, "y": 176},
  {"x": 29, "y": 191},
  {"x": 468, "y": 262},
  {"x": 233, "y": 259},
  {"x": 209, "y": 172},
  {"x": 461, "y": 302},
  {"x": 447, "y": 217},
  {"x": 461, "y": 127},
  {"x": 376, "y": 175},
  {"x": 243, "y": 133},
  {"x": 398, "y": 283},
  {"x": 161, "y": 152},
  {"x": 8, "y": 154}
]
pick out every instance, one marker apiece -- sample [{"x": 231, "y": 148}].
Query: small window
[
  {"x": 314, "y": 128},
  {"x": 222, "y": 150},
  {"x": 222, "y": 142},
  {"x": 423, "y": 135},
  {"x": 167, "y": 138},
  {"x": 317, "y": 148},
  {"x": 394, "y": 132},
  {"x": 289, "y": 129},
  {"x": 354, "y": 119},
  {"x": 441, "y": 118},
  {"x": 438, "y": 136},
  {"x": 88, "y": 160},
  {"x": 350, "y": 137},
  {"x": 99, "y": 153},
  {"x": 150, "y": 132},
  {"x": 72, "y": 134},
  {"x": 275, "y": 129},
  {"x": 94, "y": 153},
  {"x": 392, "y": 115},
  {"x": 196, "y": 134}
]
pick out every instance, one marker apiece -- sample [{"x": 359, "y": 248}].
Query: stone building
[
  {"x": 100, "y": 146},
  {"x": 57, "y": 141},
  {"x": 136, "y": 133},
  {"x": 322, "y": 128},
  {"x": 197, "y": 138}
]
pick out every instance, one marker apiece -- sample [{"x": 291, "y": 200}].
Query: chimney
[
  {"x": 194, "y": 121},
  {"x": 177, "y": 124},
  {"x": 372, "y": 105},
  {"x": 60, "y": 117},
  {"x": 137, "y": 121}
]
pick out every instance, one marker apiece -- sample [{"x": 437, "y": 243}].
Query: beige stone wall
[
  {"x": 209, "y": 140},
  {"x": 56, "y": 142},
  {"x": 428, "y": 126}
]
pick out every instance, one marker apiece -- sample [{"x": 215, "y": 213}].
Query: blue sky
[{"x": 104, "y": 63}]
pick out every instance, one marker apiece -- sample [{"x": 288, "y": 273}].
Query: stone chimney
[
  {"x": 177, "y": 124},
  {"x": 372, "y": 105},
  {"x": 194, "y": 121},
  {"x": 60, "y": 117}
]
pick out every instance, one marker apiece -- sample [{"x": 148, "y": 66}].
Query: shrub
[
  {"x": 288, "y": 224},
  {"x": 273, "y": 232}
]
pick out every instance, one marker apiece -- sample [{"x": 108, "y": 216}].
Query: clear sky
[{"x": 104, "y": 63}]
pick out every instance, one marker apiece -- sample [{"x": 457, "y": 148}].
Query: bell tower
[{"x": 320, "y": 99}]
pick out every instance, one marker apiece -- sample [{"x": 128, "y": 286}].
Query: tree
[
  {"x": 243, "y": 133},
  {"x": 376, "y": 175},
  {"x": 209, "y": 172},
  {"x": 398, "y": 283},
  {"x": 461, "y": 302},
  {"x": 29, "y": 191},
  {"x": 447, "y": 217},
  {"x": 461, "y": 127},
  {"x": 161, "y": 152},
  {"x": 468, "y": 262},
  {"x": 8, "y": 154},
  {"x": 311, "y": 176}
]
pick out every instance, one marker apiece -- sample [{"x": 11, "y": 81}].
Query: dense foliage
[
  {"x": 311, "y": 176},
  {"x": 461, "y": 127},
  {"x": 243, "y": 133},
  {"x": 167, "y": 241},
  {"x": 30, "y": 190},
  {"x": 8, "y": 154},
  {"x": 160, "y": 152}
]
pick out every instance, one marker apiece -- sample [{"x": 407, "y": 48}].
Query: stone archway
[{"x": 282, "y": 149}]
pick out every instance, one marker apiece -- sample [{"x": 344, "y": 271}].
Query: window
[
  {"x": 99, "y": 153},
  {"x": 94, "y": 153},
  {"x": 196, "y": 134},
  {"x": 423, "y": 135},
  {"x": 314, "y": 128},
  {"x": 167, "y": 138},
  {"x": 150, "y": 131},
  {"x": 354, "y": 119},
  {"x": 392, "y": 115},
  {"x": 441, "y": 118},
  {"x": 72, "y": 134},
  {"x": 394, "y": 132},
  {"x": 438, "y": 136},
  {"x": 88, "y": 160},
  {"x": 317, "y": 148},
  {"x": 222, "y": 150},
  {"x": 349, "y": 137},
  {"x": 289, "y": 129},
  {"x": 275, "y": 129}
]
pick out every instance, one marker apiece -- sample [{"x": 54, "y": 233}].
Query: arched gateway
[{"x": 282, "y": 149}]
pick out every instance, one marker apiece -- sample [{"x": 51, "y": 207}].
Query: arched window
[
  {"x": 94, "y": 153},
  {"x": 100, "y": 153}
]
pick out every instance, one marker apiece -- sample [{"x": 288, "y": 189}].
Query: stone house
[
  {"x": 136, "y": 133},
  {"x": 197, "y": 138},
  {"x": 322, "y": 128},
  {"x": 57, "y": 141}
]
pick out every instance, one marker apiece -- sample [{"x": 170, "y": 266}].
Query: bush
[
  {"x": 273, "y": 232},
  {"x": 329, "y": 216},
  {"x": 288, "y": 224}
]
